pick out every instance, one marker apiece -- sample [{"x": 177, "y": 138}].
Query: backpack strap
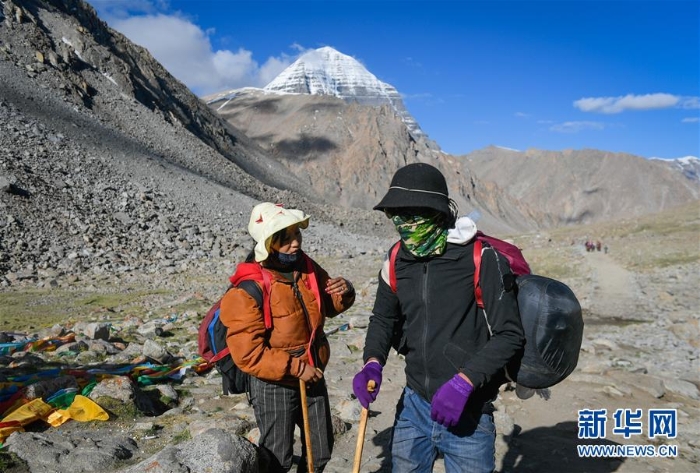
[
  {"x": 255, "y": 272},
  {"x": 393, "y": 252},
  {"x": 223, "y": 353},
  {"x": 478, "y": 247},
  {"x": 267, "y": 311},
  {"x": 261, "y": 296},
  {"x": 253, "y": 290}
]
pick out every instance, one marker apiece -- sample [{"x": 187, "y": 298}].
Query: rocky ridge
[
  {"x": 591, "y": 185},
  {"x": 70, "y": 208},
  {"x": 92, "y": 179}
]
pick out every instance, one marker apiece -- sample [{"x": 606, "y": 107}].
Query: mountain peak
[{"x": 326, "y": 71}]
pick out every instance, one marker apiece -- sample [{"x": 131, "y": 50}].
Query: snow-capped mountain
[
  {"x": 688, "y": 165},
  {"x": 325, "y": 71}
]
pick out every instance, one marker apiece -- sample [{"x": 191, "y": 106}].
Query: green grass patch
[
  {"x": 111, "y": 301},
  {"x": 193, "y": 304},
  {"x": 30, "y": 309},
  {"x": 182, "y": 436},
  {"x": 552, "y": 263},
  {"x": 9, "y": 460},
  {"x": 662, "y": 259}
]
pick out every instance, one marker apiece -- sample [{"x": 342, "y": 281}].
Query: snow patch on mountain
[
  {"x": 325, "y": 71},
  {"x": 688, "y": 165}
]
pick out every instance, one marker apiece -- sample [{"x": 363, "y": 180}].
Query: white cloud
[
  {"x": 620, "y": 104},
  {"x": 410, "y": 62},
  {"x": 522, "y": 115},
  {"x": 419, "y": 96},
  {"x": 185, "y": 50},
  {"x": 272, "y": 68},
  {"x": 690, "y": 120},
  {"x": 425, "y": 98},
  {"x": 690, "y": 102},
  {"x": 575, "y": 127}
]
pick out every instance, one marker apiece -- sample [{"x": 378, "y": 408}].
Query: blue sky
[{"x": 615, "y": 75}]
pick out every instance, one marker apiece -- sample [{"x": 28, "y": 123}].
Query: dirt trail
[
  {"x": 613, "y": 281},
  {"x": 613, "y": 289}
]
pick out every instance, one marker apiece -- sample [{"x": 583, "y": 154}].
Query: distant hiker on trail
[
  {"x": 301, "y": 296},
  {"x": 455, "y": 355}
]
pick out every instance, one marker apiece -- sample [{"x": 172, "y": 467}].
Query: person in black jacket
[{"x": 455, "y": 353}]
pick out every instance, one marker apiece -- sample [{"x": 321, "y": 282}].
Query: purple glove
[
  {"x": 371, "y": 372},
  {"x": 449, "y": 401}
]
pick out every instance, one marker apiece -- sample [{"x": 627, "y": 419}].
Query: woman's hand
[
  {"x": 339, "y": 286},
  {"x": 310, "y": 374}
]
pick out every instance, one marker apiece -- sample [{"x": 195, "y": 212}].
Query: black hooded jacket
[{"x": 444, "y": 332}]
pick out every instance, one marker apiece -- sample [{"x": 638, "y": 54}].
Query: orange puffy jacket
[{"x": 275, "y": 355}]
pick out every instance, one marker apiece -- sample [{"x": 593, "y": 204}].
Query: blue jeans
[{"x": 417, "y": 440}]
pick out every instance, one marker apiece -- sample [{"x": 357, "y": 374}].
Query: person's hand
[
  {"x": 310, "y": 374},
  {"x": 339, "y": 286},
  {"x": 449, "y": 401},
  {"x": 371, "y": 372}
]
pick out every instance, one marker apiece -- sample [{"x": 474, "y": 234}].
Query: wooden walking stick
[
  {"x": 307, "y": 427},
  {"x": 361, "y": 433}
]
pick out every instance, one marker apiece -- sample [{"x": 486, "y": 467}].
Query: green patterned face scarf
[{"x": 422, "y": 236}]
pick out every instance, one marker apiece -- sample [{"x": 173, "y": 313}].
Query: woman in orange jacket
[{"x": 301, "y": 295}]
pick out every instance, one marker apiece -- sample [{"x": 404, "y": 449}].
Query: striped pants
[{"x": 278, "y": 409}]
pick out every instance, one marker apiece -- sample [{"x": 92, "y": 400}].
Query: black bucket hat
[{"x": 417, "y": 185}]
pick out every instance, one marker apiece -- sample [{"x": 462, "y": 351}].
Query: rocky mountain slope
[
  {"x": 584, "y": 186},
  {"x": 348, "y": 152},
  {"x": 64, "y": 46},
  {"x": 108, "y": 163},
  {"x": 689, "y": 166}
]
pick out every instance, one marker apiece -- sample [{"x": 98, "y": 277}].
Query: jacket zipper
[
  {"x": 426, "y": 326},
  {"x": 297, "y": 294}
]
